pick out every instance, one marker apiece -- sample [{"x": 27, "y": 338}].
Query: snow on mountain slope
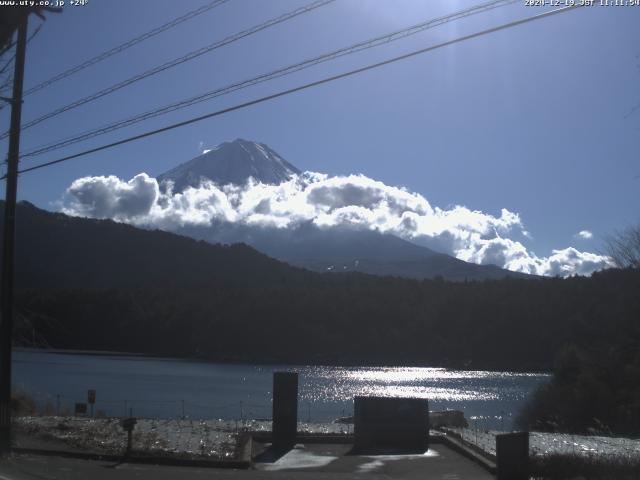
[{"x": 231, "y": 162}]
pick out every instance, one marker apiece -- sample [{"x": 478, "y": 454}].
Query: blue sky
[{"x": 532, "y": 119}]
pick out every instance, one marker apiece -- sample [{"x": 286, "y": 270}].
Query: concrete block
[
  {"x": 391, "y": 424},
  {"x": 285, "y": 409}
]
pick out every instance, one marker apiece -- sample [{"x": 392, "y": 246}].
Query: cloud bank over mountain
[{"x": 353, "y": 201}]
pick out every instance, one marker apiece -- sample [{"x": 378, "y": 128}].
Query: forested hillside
[
  {"x": 352, "y": 319},
  {"x": 54, "y": 250}
]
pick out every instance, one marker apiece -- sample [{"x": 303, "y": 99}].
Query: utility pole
[{"x": 8, "y": 246}]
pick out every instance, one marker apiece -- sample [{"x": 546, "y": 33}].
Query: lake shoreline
[
  {"x": 162, "y": 387},
  {"x": 224, "y": 361}
]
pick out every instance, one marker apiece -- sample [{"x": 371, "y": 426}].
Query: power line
[
  {"x": 120, "y": 48},
  {"x": 5, "y": 84},
  {"x": 177, "y": 61},
  {"x": 13, "y": 57},
  {"x": 7, "y": 63},
  {"x": 7, "y": 48},
  {"x": 303, "y": 87},
  {"x": 34, "y": 33},
  {"x": 371, "y": 43}
]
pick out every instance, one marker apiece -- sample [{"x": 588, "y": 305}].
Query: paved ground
[{"x": 312, "y": 462}]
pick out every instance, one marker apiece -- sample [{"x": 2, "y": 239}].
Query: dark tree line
[
  {"x": 595, "y": 387},
  {"x": 507, "y": 324},
  {"x": 596, "y": 381}
]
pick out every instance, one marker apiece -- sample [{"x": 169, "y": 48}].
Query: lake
[{"x": 170, "y": 388}]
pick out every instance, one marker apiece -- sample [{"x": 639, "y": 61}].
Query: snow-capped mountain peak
[{"x": 231, "y": 162}]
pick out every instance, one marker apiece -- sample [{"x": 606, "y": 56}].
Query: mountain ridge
[
  {"x": 57, "y": 250},
  {"x": 329, "y": 250}
]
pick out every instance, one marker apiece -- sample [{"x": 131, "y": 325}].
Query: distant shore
[
  {"x": 99, "y": 353},
  {"x": 227, "y": 361}
]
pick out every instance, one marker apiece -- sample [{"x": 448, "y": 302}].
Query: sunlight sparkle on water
[{"x": 331, "y": 383}]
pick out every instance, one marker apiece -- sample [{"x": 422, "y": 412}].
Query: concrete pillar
[
  {"x": 285, "y": 409},
  {"x": 512, "y": 456}
]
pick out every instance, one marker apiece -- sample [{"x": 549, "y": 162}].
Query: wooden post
[{"x": 8, "y": 247}]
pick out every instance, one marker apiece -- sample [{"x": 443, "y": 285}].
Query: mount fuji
[
  {"x": 326, "y": 249},
  {"x": 231, "y": 162}
]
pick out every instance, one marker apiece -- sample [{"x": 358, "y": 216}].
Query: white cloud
[
  {"x": 110, "y": 197},
  {"x": 584, "y": 234},
  {"x": 353, "y": 201}
]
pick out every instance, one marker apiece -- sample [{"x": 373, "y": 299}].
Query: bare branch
[{"x": 624, "y": 247}]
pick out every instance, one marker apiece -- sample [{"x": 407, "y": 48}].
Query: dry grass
[
  {"x": 22, "y": 403},
  {"x": 592, "y": 467}
]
